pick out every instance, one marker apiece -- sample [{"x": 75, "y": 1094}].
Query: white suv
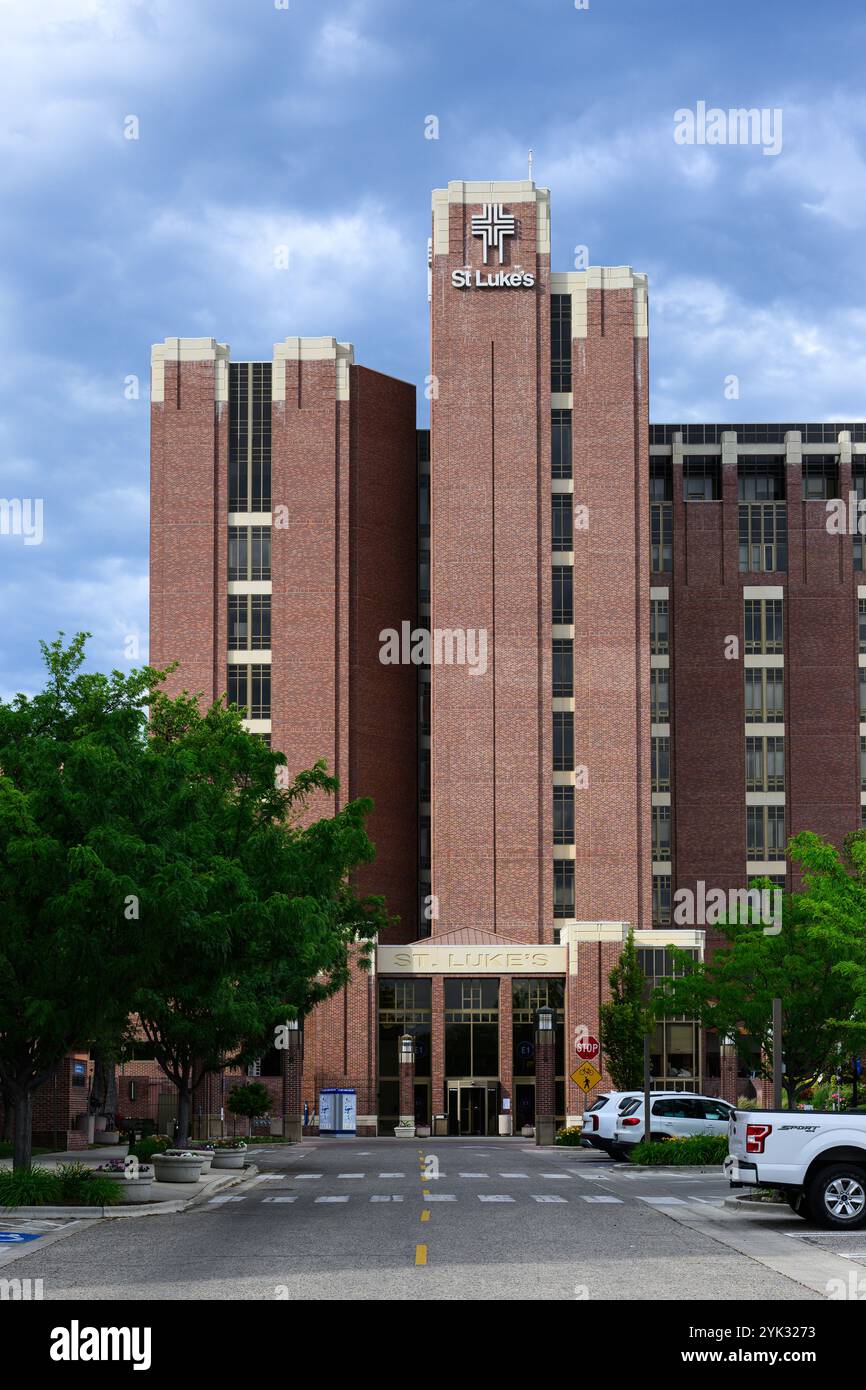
[
  {"x": 674, "y": 1115},
  {"x": 601, "y": 1117}
]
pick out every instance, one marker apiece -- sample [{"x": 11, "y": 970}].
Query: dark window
[
  {"x": 563, "y": 741},
  {"x": 472, "y": 1027},
  {"x": 761, "y": 480},
  {"x": 763, "y": 625},
  {"x": 560, "y": 444},
  {"x": 563, "y": 668},
  {"x": 560, "y": 342},
  {"x": 661, "y": 537},
  {"x": 820, "y": 478},
  {"x": 249, "y": 436},
  {"x": 765, "y": 832},
  {"x": 660, "y": 705},
  {"x": 661, "y": 899},
  {"x": 424, "y": 698},
  {"x": 249, "y": 554},
  {"x": 249, "y": 622},
  {"x": 659, "y": 626},
  {"x": 765, "y": 764},
  {"x": 660, "y": 758},
  {"x": 250, "y": 688},
  {"x": 563, "y": 815},
  {"x": 424, "y": 577},
  {"x": 763, "y": 537},
  {"x": 661, "y": 826},
  {"x": 701, "y": 480},
  {"x": 424, "y": 852},
  {"x": 424, "y": 505},
  {"x": 404, "y": 1007},
  {"x": 660, "y": 480},
  {"x": 765, "y": 695},
  {"x": 563, "y": 887},
  {"x": 561, "y": 531},
  {"x": 862, "y": 623},
  {"x": 563, "y": 594}
]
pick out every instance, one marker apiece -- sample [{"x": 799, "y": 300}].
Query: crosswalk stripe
[
  {"x": 487, "y": 1197},
  {"x": 662, "y": 1201},
  {"x": 377, "y": 1198},
  {"x": 550, "y": 1198},
  {"x": 293, "y": 1198},
  {"x": 617, "y": 1200},
  {"x": 332, "y": 1199}
]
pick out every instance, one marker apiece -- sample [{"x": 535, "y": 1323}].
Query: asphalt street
[{"x": 365, "y": 1219}]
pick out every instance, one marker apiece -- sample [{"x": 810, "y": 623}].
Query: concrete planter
[
  {"x": 138, "y": 1189},
  {"x": 206, "y": 1156},
  {"x": 404, "y": 1131},
  {"x": 229, "y": 1158},
  {"x": 177, "y": 1167}
]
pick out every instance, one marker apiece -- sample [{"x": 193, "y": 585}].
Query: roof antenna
[{"x": 530, "y": 166}]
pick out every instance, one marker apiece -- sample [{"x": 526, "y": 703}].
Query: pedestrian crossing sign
[{"x": 586, "y": 1076}]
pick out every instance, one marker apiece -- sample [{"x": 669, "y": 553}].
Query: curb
[
  {"x": 672, "y": 1168},
  {"x": 173, "y": 1204},
  {"x": 743, "y": 1203}
]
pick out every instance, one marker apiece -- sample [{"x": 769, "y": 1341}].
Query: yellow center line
[
  {"x": 420, "y": 1254},
  {"x": 425, "y": 1215}
]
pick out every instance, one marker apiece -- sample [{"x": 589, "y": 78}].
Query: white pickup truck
[{"x": 816, "y": 1158}]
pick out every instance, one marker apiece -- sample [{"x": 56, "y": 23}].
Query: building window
[
  {"x": 765, "y": 764},
  {"x": 661, "y": 821},
  {"x": 563, "y": 741},
  {"x": 862, "y": 624},
  {"x": 250, "y": 688},
  {"x": 249, "y": 622},
  {"x": 763, "y": 625},
  {"x": 661, "y": 899},
  {"x": 660, "y": 480},
  {"x": 563, "y": 594},
  {"x": 424, "y": 700},
  {"x": 659, "y": 626},
  {"x": 560, "y": 342},
  {"x": 863, "y": 692},
  {"x": 405, "y": 1006},
  {"x": 765, "y": 701},
  {"x": 660, "y": 753},
  {"x": 424, "y": 505},
  {"x": 424, "y": 842},
  {"x": 765, "y": 832},
  {"x": 249, "y": 552},
  {"x": 661, "y": 535},
  {"x": 560, "y": 444},
  {"x": 472, "y": 1027},
  {"x": 527, "y": 997},
  {"x": 660, "y": 704},
  {"x": 424, "y": 577},
  {"x": 249, "y": 437},
  {"x": 424, "y": 774},
  {"x": 763, "y": 537},
  {"x": 563, "y": 815},
  {"x": 563, "y": 887},
  {"x": 701, "y": 481},
  {"x": 563, "y": 668},
  {"x": 820, "y": 478},
  {"x": 562, "y": 537},
  {"x": 761, "y": 480}
]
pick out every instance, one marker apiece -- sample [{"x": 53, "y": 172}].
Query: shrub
[
  {"x": 745, "y": 1103},
  {"x": 571, "y": 1135},
  {"x": 252, "y": 1099},
  {"x": 82, "y": 1186},
  {"x": 29, "y": 1187},
  {"x": 146, "y": 1148},
  {"x": 704, "y": 1149}
]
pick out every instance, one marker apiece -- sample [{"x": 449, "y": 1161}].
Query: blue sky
[{"x": 262, "y": 126}]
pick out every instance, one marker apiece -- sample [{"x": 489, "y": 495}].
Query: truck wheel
[{"x": 837, "y": 1196}]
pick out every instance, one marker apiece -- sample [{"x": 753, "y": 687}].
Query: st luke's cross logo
[{"x": 493, "y": 226}]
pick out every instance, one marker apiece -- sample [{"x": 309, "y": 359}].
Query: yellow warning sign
[{"x": 586, "y": 1076}]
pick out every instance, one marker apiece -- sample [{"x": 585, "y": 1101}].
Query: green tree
[
  {"x": 251, "y": 1099},
  {"x": 72, "y": 775},
  {"x": 255, "y": 917},
  {"x": 816, "y": 964},
  {"x": 625, "y": 1020}
]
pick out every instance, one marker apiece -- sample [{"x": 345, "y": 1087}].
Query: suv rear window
[
  {"x": 599, "y": 1104},
  {"x": 630, "y": 1107}
]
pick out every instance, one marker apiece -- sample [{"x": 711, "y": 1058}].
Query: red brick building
[{"x": 580, "y": 663}]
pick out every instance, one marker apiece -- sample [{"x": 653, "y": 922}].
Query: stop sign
[{"x": 587, "y": 1049}]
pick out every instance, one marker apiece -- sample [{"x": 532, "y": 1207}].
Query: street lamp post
[
  {"x": 291, "y": 1077},
  {"x": 407, "y": 1079},
  {"x": 545, "y": 1059}
]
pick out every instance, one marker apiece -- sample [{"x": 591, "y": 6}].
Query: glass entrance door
[{"x": 473, "y": 1110}]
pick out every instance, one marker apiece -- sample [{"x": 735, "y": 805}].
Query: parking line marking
[{"x": 420, "y": 1254}]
